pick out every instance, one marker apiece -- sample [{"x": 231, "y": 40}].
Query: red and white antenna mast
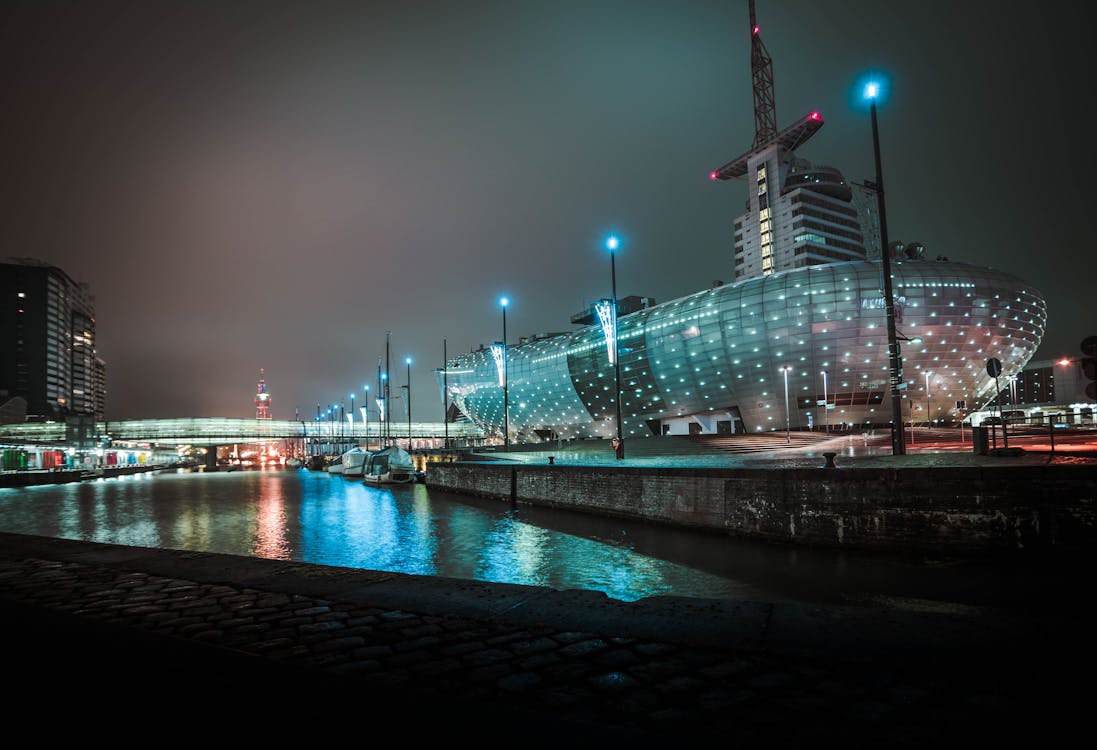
[{"x": 262, "y": 399}]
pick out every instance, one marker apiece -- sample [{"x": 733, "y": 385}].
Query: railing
[{"x": 1041, "y": 434}]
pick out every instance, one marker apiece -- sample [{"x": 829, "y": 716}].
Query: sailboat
[
  {"x": 354, "y": 461},
  {"x": 391, "y": 465},
  {"x": 336, "y": 466}
]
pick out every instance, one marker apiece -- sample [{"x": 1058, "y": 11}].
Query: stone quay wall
[{"x": 942, "y": 510}]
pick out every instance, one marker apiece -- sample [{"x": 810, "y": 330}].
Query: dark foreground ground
[{"x": 133, "y": 646}]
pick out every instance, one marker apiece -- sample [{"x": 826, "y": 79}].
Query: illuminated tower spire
[
  {"x": 761, "y": 75},
  {"x": 262, "y": 399}
]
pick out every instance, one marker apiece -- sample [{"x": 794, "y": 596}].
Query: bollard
[
  {"x": 552, "y": 460},
  {"x": 830, "y": 460}
]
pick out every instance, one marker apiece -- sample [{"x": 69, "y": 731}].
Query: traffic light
[
  {"x": 1089, "y": 365},
  {"x": 1089, "y": 372}
]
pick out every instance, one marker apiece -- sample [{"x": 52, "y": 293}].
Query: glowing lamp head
[
  {"x": 503, "y": 302},
  {"x": 872, "y": 90},
  {"x": 1064, "y": 361},
  {"x": 407, "y": 360},
  {"x": 612, "y": 242},
  {"x": 365, "y": 388}
]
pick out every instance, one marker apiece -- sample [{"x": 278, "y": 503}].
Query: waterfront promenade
[
  {"x": 144, "y": 642},
  {"x": 196, "y": 645}
]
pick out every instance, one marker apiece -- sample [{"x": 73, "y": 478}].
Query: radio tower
[{"x": 262, "y": 399}]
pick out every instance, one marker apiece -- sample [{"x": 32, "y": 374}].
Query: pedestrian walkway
[
  {"x": 135, "y": 645},
  {"x": 771, "y": 451}
]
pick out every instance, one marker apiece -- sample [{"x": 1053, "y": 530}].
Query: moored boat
[
  {"x": 354, "y": 462},
  {"x": 392, "y": 465}
]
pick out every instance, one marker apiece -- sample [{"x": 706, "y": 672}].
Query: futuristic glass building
[{"x": 716, "y": 357}]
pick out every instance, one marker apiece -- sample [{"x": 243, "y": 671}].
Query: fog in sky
[{"x": 274, "y": 185}]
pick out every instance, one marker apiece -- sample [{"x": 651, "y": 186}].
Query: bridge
[{"x": 212, "y": 431}]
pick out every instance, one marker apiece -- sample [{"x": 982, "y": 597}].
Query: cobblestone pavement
[{"x": 201, "y": 646}]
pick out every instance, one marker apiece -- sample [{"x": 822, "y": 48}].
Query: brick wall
[{"x": 953, "y": 510}]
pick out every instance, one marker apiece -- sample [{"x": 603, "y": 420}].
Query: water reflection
[
  {"x": 320, "y": 518},
  {"x": 270, "y": 531},
  {"x": 330, "y": 520}
]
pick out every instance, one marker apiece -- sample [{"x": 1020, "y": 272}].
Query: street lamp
[
  {"x": 788, "y": 433},
  {"x": 350, "y": 417},
  {"x": 927, "y": 400},
  {"x": 872, "y": 91},
  {"x": 445, "y": 395},
  {"x": 407, "y": 360},
  {"x": 826, "y": 404},
  {"x": 365, "y": 413},
  {"x": 612, "y": 243},
  {"x": 503, "y": 302}
]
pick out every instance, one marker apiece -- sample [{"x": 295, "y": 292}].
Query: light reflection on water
[
  {"x": 330, "y": 520},
  {"x": 320, "y": 518}
]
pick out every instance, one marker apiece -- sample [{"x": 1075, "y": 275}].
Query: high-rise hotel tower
[{"x": 49, "y": 368}]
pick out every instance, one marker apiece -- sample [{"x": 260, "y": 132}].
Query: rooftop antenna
[
  {"x": 761, "y": 75},
  {"x": 765, "y": 113}
]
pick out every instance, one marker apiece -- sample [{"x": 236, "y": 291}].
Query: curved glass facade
[{"x": 717, "y": 356}]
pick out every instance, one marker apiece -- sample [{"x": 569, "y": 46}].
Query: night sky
[{"x": 275, "y": 184}]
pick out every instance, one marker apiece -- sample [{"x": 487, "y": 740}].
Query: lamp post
[
  {"x": 788, "y": 433},
  {"x": 928, "y": 419},
  {"x": 407, "y": 360},
  {"x": 365, "y": 412},
  {"x": 612, "y": 243},
  {"x": 911, "y": 402},
  {"x": 826, "y": 404},
  {"x": 872, "y": 91},
  {"x": 503, "y": 302},
  {"x": 445, "y": 395}
]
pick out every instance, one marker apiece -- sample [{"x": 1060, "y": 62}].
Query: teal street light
[
  {"x": 503, "y": 302},
  {"x": 613, "y": 242},
  {"x": 407, "y": 360},
  {"x": 898, "y": 446}
]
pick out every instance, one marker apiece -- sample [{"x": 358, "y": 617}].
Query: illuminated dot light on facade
[{"x": 566, "y": 381}]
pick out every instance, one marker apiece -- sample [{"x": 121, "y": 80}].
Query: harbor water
[{"x": 327, "y": 519}]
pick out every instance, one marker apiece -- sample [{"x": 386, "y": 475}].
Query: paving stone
[
  {"x": 518, "y": 682},
  {"x": 584, "y": 647},
  {"x": 613, "y": 681}
]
